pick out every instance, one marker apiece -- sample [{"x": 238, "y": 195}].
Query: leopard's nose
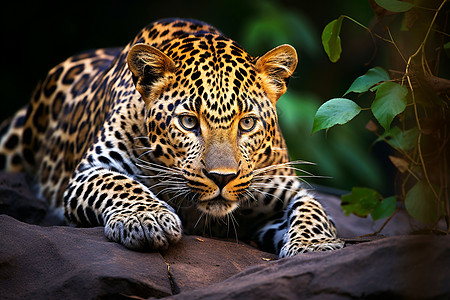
[{"x": 220, "y": 179}]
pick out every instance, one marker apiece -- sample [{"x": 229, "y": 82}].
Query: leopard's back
[{"x": 49, "y": 136}]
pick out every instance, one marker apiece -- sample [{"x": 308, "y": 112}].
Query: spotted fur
[{"x": 176, "y": 130}]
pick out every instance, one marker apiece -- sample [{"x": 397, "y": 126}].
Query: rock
[
  {"x": 62, "y": 262},
  {"x": 407, "y": 267},
  {"x": 17, "y": 200},
  {"x": 80, "y": 263},
  {"x": 198, "y": 262},
  {"x": 74, "y": 263}
]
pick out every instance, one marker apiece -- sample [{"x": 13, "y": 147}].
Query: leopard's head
[{"x": 211, "y": 115}]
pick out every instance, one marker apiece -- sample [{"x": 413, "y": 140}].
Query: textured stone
[
  {"x": 74, "y": 263},
  {"x": 17, "y": 200},
  {"x": 61, "y": 262},
  {"x": 406, "y": 267},
  {"x": 198, "y": 262}
]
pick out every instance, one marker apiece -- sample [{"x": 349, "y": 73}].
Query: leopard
[{"x": 176, "y": 133}]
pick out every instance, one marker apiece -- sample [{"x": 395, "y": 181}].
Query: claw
[
  {"x": 142, "y": 230},
  {"x": 291, "y": 248}
]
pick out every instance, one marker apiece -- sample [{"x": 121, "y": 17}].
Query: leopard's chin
[{"x": 217, "y": 207}]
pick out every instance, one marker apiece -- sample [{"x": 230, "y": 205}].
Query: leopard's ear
[
  {"x": 150, "y": 68},
  {"x": 276, "y": 67}
]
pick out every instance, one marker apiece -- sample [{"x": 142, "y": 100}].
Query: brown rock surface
[
  {"x": 17, "y": 200},
  {"x": 73, "y": 263},
  {"x": 198, "y": 262},
  {"x": 406, "y": 267},
  {"x": 61, "y": 262}
]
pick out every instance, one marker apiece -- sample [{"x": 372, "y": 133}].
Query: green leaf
[
  {"x": 447, "y": 46},
  {"x": 421, "y": 203},
  {"x": 365, "y": 82},
  {"x": 390, "y": 100},
  {"x": 360, "y": 202},
  {"x": 404, "y": 140},
  {"x": 335, "y": 111},
  {"x": 384, "y": 209},
  {"x": 395, "y": 5},
  {"x": 369, "y": 203},
  {"x": 447, "y": 49},
  {"x": 331, "y": 40}
]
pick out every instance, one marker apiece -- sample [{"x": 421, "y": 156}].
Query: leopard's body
[{"x": 176, "y": 130}]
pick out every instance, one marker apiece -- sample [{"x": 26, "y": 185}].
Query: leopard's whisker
[
  {"x": 201, "y": 216},
  {"x": 262, "y": 177},
  {"x": 161, "y": 174},
  {"x": 178, "y": 196},
  {"x": 286, "y": 165},
  {"x": 172, "y": 182},
  {"x": 250, "y": 197},
  {"x": 148, "y": 165},
  {"x": 279, "y": 167},
  {"x": 170, "y": 185},
  {"x": 235, "y": 224},
  {"x": 263, "y": 183},
  {"x": 264, "y": 193}
]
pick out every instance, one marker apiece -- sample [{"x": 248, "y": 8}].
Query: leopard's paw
[
  {"x": 296, "y": 246},
  {"x": 144, "y": 229}
]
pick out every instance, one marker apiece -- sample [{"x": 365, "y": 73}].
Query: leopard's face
[
  {"x": 211, "y": 116},
  {"x": 217, "y": 151}
]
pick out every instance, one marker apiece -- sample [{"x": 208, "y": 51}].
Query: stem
[
  {"x": 441, "y": 32},
  {"x": 416, "y": 113},
  {"x": 425, "y": 173},
  {"x": 368, "y": 29},
  {"x": 388, "y": 220},
  {"x": 402, "y": 152},
  {"x": 419, "y": 138},
  {"x": 395, "y": 45},
  {"x": 422, "y": 45},
  {"x": 432, "y": 22}
]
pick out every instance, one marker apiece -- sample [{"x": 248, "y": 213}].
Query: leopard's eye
[
  {"x": 188, "y": 122},
  {"x": 247, "y": 124}
]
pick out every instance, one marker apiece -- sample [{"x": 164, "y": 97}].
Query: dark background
[{"x": 38, "y": 35}]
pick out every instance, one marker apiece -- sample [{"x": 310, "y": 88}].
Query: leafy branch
[{"x": 410, "y": 102}]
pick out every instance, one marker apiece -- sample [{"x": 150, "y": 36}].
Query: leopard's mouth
[{"x": 218, "y": 206}]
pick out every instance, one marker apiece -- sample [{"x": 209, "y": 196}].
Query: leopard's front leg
[
  {"x": 304, "y": 228},
  {"x": 130, "y": 212}
]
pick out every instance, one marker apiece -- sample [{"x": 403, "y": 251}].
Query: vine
[{"x": 412, "y": 110}]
